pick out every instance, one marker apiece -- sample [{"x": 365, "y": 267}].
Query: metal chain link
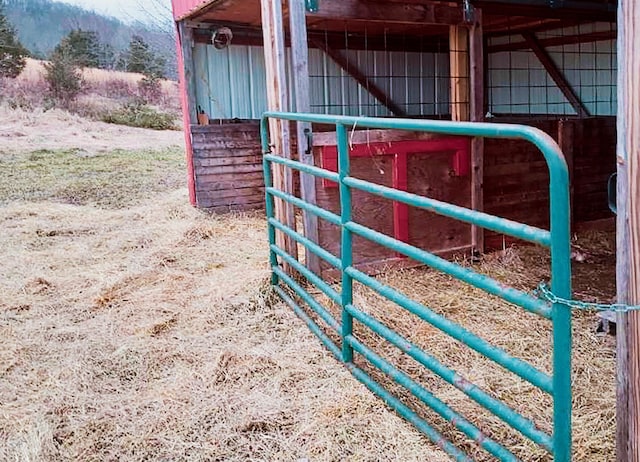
[{"x": 543, "y": 291}]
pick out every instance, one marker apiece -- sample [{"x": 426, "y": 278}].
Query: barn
[{"x": 364, "y": 171}]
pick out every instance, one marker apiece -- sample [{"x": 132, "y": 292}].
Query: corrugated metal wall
[
  {"x": 231, "y": 82},
  {"x": 519, "y": 84}
]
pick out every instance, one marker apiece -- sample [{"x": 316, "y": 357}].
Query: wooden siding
[
  {"x": 594, "y": 160},
  {"x": 228, "y": 176},
  {"x": 429, "y": 174},
  {"x": 227, "y": 159},
  {"x": 516, "y": 180}
]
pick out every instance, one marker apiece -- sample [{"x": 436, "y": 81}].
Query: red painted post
[{"x": 400, "y": 210}]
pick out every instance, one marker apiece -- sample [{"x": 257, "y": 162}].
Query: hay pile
[
  {"x": 524, "y": 335},
  {"x": 146, "y": 333}
]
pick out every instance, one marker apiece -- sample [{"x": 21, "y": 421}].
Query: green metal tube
[
  {"x": 320, "y": 212},
  {"x": 307, "y": 273},
  {"x": 467, "y": 275},
  {"x": 310, "y": 245},
  {"x": 437, "y": 405},
  {"x": 550, "y": 150},
  {"x": 498, "y": 408},
  {"x": 561, "y": 314},
  {"x": 309, "y": 300},
  {"x": 484, "y": 220},
  {"x": 313, "y": 327},
  {"x": 346, "y": 247},
  {"x": 406, "y": 412},
  {"x": 306, "y": 168},
  {"x": 269, "y": 210},
  {"x": 498, "y": 355}
]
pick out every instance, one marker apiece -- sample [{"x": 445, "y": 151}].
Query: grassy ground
[
  {"x": 114, "y": 180},
  {"x": 133, "y": 327}
]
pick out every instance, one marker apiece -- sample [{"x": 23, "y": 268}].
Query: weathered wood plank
[
  {"x": 628, "y": 232},
  {"x": 249, "y": 168},
  {"x": 236, "y": 207},
  {"x": 300, "y": 77},
  {"x": 236, "y": 200},
  {"x": 215, "y": 176},
  {"x": 372, "y": 136},
  {"x": 212, "y": 153},
  {"x": 186, "y": 42},
  {"x": 277, "y": 100},
  {"x": 409, "y": 12},
  {"x": 233, "y": 195},
  {"x": 476, "y": 89},
  {"x": 255, "y": 160},
  {"x": 459, "y": 66}
]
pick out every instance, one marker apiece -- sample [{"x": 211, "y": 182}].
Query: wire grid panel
[{"x": 584, "y": 54}]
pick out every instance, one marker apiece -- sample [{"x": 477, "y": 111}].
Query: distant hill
[{"x": 42, "y": 23}]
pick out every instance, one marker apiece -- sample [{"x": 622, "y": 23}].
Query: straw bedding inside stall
[{"x": 521, "y": 334}]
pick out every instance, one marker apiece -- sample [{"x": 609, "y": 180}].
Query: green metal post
[
  {"x": 561, "y": 314},
  {"x": 269, "y": 205},
  {"x": 346, "y": 251}
]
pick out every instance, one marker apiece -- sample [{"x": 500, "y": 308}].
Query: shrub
[
  {"x": 149, "y": 89},
  {"x": 13, "y": 56},
  {"x": 63, "y": 78},
  {"x": 138, "y": 114}
]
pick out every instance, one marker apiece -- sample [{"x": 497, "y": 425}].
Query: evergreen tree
[
  {"x": 140, "y": 58},
  {"x": 107, "y": 57},
  {"x": 63, "y": 76},
  {"x": 13, "y": 56},
  {"x": 82, "y": 47}
]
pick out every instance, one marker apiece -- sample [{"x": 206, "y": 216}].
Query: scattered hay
[
  {"x": 176, "y": 349},
  {"x": 521, "y": 334}
]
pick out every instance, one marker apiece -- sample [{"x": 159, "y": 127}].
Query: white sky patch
[{"x": 128, "y": 10}]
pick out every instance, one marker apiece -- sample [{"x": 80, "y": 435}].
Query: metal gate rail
[{"x": 558, "y": 385}]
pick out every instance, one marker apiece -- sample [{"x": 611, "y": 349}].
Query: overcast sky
[{"x": 127, "y": 10}]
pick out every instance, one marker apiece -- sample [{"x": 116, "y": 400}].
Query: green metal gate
[{"x": 558, "y": 385}]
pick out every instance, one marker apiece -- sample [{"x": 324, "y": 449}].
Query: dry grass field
[{"x": 134, "y": 327}]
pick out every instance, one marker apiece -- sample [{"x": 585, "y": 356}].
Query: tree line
[{"x": 80, "y": 49}]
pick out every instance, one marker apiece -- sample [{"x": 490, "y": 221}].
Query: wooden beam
[
  {"x": 556, "y": 41},
  {"x": 539, "y": 25},
  {"x": 336, "y": 40},
  {"x": 628, "y": 232},
  {"x": 459, "y": 69},
  {"x": 406, "y": 13},
  {"x": 566, "y": 136},
  {"x": 300, "y": 77},
  {"x": 186, "y": 42},
  {"x": 476, "y": 64},
  {"x": 368, "y": 84},
  {"x": 556, "y": 75},
  {"x": 275, "y": 57},
  {"x": 188, "y": 100}
]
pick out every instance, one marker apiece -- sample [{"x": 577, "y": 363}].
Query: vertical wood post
[
  {"x": 300, "y": 76},
  {"x": 628, "y": 232},
  {"x": 476, "y": 93},
  {"x": 277, "y": 100},
  {"x": 466, "y": 56},
  {"x": 566, "y": 135},
  {"x": 459, "y": 66},
  {"x": 186, "y": 69}
]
